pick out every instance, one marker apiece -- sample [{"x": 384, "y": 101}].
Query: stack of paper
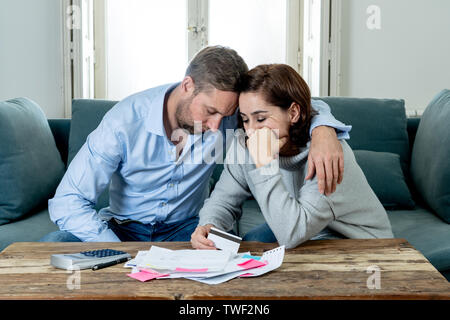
[{"x": 207, "y": 266}]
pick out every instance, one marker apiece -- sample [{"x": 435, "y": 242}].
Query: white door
[
  {"x": 197, "y": 26},
  {"x": 261, "y": 31},
  {"x": 83, "y": 49},
  {"x": 312, "y": 46},
  {"x": 321, "y": 45}
]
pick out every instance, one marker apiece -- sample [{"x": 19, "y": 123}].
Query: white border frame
[
  {"x": 335, "y": 47},
  {"x": 324, "y": 47},
  {"x": 197, "y": 26},
  {"x": 294, "y": 34},
  {"x": 330, "y": 51},
  {"x": 100, "y": 47},
  {"x": 67, "y": 59},
  {"x": 83, "y": 48}
]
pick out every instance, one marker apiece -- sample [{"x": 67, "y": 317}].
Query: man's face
[{"x": 205, "y": 110}]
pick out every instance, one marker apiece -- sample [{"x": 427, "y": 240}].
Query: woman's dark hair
[{"x": 280, "y": 86}]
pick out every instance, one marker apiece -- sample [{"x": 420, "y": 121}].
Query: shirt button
[
  {"x": 170, "y": 185},
  {"x": 164, "y": 204}
]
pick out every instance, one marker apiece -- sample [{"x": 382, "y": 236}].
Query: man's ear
[
  {"x": 188, "y": 85},
  {"x": 294, "y": 112}
]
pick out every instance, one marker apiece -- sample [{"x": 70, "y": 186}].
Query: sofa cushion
[
  {"x": 430, "y": 161},
  {"x": 385, "y": 176},
  {"x": 31, "y": 228},
  {"x": 426, "y": 232},
  {"x": 377, "y": 125},
  {"x": 86, "y": 116},
  {"x": 30, "y": 164}
]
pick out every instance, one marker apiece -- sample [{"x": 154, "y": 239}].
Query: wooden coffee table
[{"x": 321, "y": 269}]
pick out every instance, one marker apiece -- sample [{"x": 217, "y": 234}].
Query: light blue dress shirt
[{"x": 129, "y": 151}]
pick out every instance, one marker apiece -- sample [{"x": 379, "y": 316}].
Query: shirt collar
[{"x": 155, "y": 122}]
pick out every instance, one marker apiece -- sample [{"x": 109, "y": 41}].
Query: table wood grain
[{"x": 320, "y": 269}]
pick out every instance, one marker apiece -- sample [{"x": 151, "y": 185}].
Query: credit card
[{"x": 224, "y": 241}]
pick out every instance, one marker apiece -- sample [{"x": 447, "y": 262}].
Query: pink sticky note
[
  {"x": 252, "y": 263},
  {"x": 150, "y": 271},
  {"x": 191, "y": 270},
  {"x": 246, "y": 275},
  {"x": 145, "y": 276}
]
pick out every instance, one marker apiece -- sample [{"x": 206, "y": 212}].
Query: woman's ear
[{"x": 294, "y": 113}]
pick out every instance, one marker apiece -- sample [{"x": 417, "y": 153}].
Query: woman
[{"x": 275, "y": 109}]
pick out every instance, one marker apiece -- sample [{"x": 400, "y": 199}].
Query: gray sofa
[{"x": 384, "y": 141}]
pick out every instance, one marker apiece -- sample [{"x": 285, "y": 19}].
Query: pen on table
[{"x": 108, "y": 264}]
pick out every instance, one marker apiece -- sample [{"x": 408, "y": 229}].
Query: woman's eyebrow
[
  {"x": 258, "y": 112},
  {"x": 254, "y": 112}
]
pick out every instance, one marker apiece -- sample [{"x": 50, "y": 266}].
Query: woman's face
[{"x": 257, "y": 113}]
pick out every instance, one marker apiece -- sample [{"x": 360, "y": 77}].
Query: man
[{"x": 138, "y": 151}]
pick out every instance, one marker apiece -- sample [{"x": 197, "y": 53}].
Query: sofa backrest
[
  {"x": 61, "y": 129},
  {"x": 378, "y": 125},
  {"x": 412, "y": 125},
  {"x": 86, "y": 116}
]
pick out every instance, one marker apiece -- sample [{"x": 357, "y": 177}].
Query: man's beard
[
  {"x": 182, "y": 115},
  {"x": 184, "y": 119}
]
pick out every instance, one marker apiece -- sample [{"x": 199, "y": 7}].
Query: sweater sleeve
[
  {"x": 292, "y": 220},
  {"x": 223, "y": 207}
]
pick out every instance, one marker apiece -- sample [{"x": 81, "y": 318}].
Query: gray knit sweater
[{"x": 293, "y": 208}]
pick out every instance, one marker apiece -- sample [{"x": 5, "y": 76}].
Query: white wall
[
  {"x": 408, "y": 58},
  {"x": 31, "y": 53}
]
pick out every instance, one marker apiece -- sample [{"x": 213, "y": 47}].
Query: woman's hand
[
  {"x": 199, "y": 238},
  {"x": 264, "y": 145}
]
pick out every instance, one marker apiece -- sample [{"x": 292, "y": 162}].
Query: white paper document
[
  {"x": 184, "y": 260},
  {"x": 133, "y": 262},
  {"x": 207, "y": 266},
  {"x": 274, "y": 259}
]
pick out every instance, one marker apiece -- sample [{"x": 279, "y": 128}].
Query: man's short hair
[{"x": 219, "y": 67}]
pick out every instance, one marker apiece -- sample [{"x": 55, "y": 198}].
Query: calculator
[{"x": 86, "y": 259}]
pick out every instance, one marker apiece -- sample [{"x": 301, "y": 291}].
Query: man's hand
[
  {"x": 325, "y": 159},
  {"x": 199, "y": 238}
]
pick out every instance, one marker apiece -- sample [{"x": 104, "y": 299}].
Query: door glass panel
[
  {"x": 145, "y": 45},
  {"x": 256, "y": 29}
]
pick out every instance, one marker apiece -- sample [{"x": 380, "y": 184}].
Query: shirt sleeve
[
  {"x": 89, "y": 173},
  {"x": 325, "y": 118}
]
